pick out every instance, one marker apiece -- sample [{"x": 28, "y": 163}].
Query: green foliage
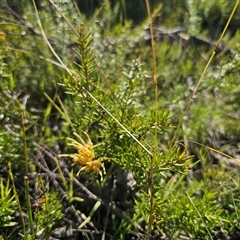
[
  {"x": 209, "y": 14},
  {"x": 48, "y": 214},
  {"x": 97, "y": 80},
  {"x": 7, "y": 205}
]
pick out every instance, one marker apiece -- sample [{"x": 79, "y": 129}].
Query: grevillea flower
[{"x": 85, "y": 155}]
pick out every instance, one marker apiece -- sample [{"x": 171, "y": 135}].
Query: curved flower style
[{"x": 85, "y": 155}]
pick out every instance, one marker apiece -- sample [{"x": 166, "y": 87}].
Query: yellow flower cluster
[{"x": 85, "y": 155}]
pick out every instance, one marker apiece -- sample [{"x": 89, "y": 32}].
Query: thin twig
[{"x": 108, "y": 209}]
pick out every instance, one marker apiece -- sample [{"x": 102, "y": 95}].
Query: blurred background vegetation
[{"x": 37, "y": 113}]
